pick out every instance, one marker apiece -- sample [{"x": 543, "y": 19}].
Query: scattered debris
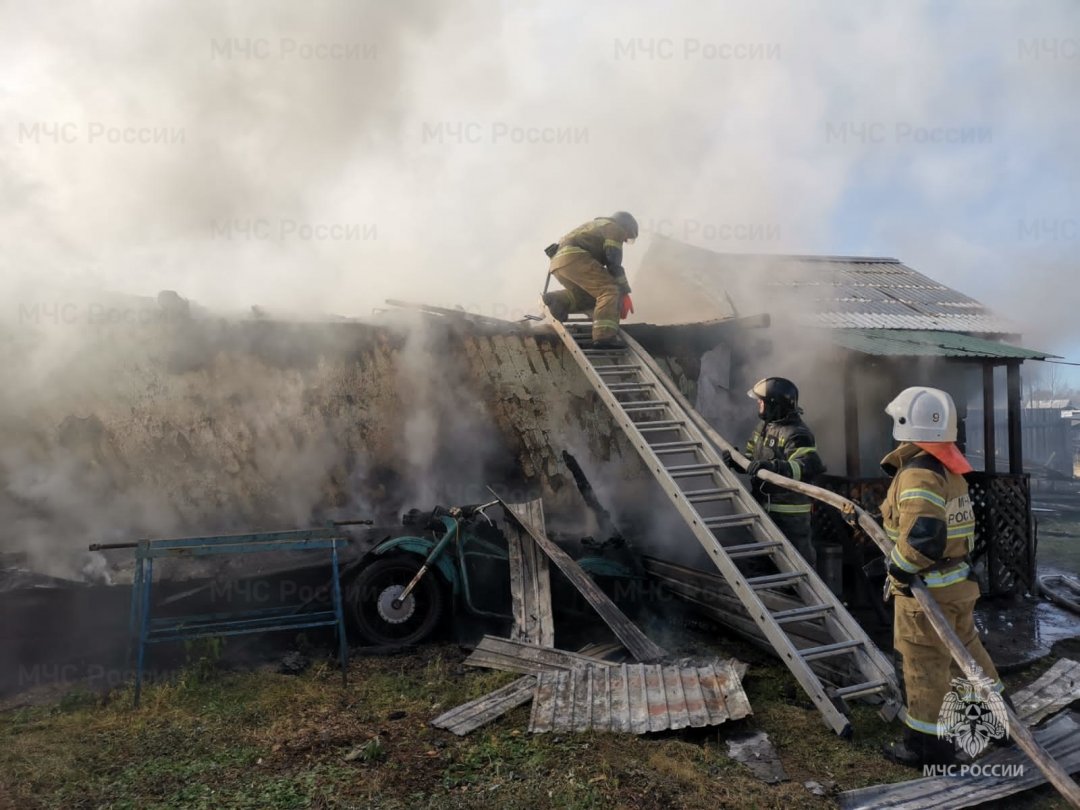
[
  {"x": 998, "y": 775},
  {"x": 1057, "y": 688},
  {"x": 637, "y": 698},
  {"x": 755, "y": 751},
  {"x": 476, "y": 713},
  {"x": 639, "y": 645},
  {"x": 396, "y": 715}
]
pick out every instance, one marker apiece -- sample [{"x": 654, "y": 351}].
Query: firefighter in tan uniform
[
  {"x": 588, "y": 263},
  {"x": 928, "y": 514}
]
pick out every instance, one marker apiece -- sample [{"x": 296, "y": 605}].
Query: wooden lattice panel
[{"x": 1003, "y": 532}]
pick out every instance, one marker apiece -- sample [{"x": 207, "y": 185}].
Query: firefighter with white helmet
[{"x": 928, "y": 514}]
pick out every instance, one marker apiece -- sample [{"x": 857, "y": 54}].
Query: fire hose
[{"x": 856, "y": 515}]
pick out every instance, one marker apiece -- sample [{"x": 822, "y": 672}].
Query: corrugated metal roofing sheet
[
  {"x": 638, "y": 698},
  {"x": 833, "y": 291},
  {"x": 924, "y": 343}
]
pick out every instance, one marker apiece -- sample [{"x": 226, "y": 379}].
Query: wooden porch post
[
  {"x": 1016, "y": 436},
  {"x": 851, "y": 420},
  {"x": 989, "y": 441}
]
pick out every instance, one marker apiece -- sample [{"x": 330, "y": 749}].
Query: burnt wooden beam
[{"x": 989, "y": 438}]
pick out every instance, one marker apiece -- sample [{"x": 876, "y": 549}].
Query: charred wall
[{"x": 182, "y": 426}]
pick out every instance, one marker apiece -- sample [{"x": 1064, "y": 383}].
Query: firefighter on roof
[
  {"x": 928, "y": 514},
  {"x": 588, "y": 263}
]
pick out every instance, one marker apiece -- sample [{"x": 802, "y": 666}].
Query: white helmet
[{"x": 923, "y": 415}]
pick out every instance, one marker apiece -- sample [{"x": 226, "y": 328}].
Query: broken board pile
[{"x": 585, "y": 691}]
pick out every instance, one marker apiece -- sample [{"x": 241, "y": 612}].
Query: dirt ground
[{"x": 260, "y": 739}]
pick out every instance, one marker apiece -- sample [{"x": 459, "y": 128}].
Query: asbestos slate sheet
[{"x": 637, "y": 698}]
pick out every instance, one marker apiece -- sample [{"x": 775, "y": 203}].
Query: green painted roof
[{"x": 924, "y": 343}]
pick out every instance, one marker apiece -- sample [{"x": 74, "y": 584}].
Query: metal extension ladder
[{"x": 733, "y": 528}]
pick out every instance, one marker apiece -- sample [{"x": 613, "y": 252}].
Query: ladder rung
[
  {"x": 861, "y": 689},
  {"x": 751, "y": 549},
  {"x": 775, "y": 580},
  {"x": 620, "y": 369},
  {"x": 647, "y": 405},
  {"x": 727, "y": 521},
  {"x": 603, "y": 352},
  {"x": 827, "y": 650},
  {"x": 706, "y": 495},
  {"x": 630, "y": 388},
  {"x": 689, "y": 469},
  {"x": 670, "y": 451},
  {"x": 671, "y": 447},
  {"x": 660, "y": 424},
  {"x": 795, "y": 614},
  {"x": 625, "y": 385}
]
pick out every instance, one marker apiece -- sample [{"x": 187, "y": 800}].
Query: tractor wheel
[{"x": 370, "y": 598}]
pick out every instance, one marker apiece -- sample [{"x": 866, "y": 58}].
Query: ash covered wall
[{"x": 170, "y": 426}]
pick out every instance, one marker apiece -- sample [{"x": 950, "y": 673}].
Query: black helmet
[
  {"x": 625, "y": 221},
  {"x": 780, "y": 396}
]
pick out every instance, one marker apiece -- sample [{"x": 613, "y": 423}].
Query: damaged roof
[{"x": 839, "y": 292}]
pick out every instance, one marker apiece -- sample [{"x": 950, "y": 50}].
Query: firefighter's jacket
[
  {"x": 601, "y": 239},
  {"x": 928, "y": 514},
  {"x": 791, "y": 442}
]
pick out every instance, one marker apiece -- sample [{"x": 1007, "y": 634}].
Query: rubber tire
[{"x": 373, "y": 579}]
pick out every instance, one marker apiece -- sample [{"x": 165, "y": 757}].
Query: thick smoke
[{"x": 321, "y": 158}]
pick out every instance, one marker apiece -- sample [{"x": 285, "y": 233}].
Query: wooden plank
[
  {"x": 564, "y": 700},
  {"x": 540, "y": 580},
  {"x": 515, "y": 656},
  {"x": 1060, "y": 737},
  {"x": 530, "y": 583},
  {"x": 1058, "y": 687},
  {"x": 582, "y": 708},
  {"x": 519, "y": 630},
  {"x": 470, "y": 716},
  {"x": 639, "y": 645},
  {"x": 620, "y": 704},
  {"x": 543, "y": 708}
]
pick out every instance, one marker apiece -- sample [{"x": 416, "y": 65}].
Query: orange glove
[{"x": 626, "y": 306}]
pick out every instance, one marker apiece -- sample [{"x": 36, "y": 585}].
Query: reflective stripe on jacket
[
  {"x": 601, "y": 238},
  {"x": 790, "y": 441},
  {"x": 923, "y": 488}
]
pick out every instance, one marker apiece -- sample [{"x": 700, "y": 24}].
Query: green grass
[{"x": 264, "y": 740}]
